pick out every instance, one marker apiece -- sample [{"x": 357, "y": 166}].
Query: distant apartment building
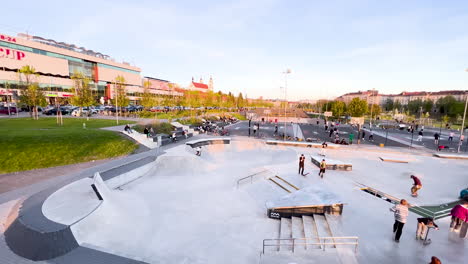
[{"x": 373, "y": 96}]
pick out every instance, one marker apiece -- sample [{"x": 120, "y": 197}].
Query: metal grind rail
[
  {"x": 323, "y": 242},
  {"x": 251, "y": 176},
  {"x": 420, "y": 210}
]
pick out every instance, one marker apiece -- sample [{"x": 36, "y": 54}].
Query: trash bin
[{"x": 381, "y": 145}]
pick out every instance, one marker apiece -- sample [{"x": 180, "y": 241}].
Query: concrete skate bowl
[
  {"x": 37, "y": 231},
  {"x": 248, "y": 154}
]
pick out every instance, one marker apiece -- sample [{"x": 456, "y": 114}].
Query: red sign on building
[{"x": 11, "y": 54}]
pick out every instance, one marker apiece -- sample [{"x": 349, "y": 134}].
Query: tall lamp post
[
  {"x": 463, "y": 122},
  {"x": 288, "y": 71}
]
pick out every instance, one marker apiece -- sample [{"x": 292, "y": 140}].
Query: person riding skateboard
[
  {"x": 417, "y": 185},
  {"x": 301, "y": 164}
]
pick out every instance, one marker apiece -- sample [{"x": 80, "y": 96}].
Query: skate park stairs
[{"x": 309, "y": 237}]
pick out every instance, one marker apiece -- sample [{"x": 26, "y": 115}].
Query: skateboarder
[
  {"x": 451, "y": 136},
  {"x": 198, "y": 149},
  {"x": 420, "y": 136},
  {"x": 323, "y": 166},
  {"x": 423, "y": 224},
  {"x": 416, "y": 186},
  {"x": 301, "y": 164},
  {"x": 401, "y": 213}
]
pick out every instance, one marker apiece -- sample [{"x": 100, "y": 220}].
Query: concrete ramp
[
  {"x": 331, "y": 163},
  {"x": 450, "y": 156}
]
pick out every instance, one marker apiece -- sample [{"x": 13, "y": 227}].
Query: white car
[{"x": 84, "y": 112}]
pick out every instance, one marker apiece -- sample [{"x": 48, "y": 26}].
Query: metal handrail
[
  {"x": 250, "y": 176},
  {"x": 320, "y": 243}
]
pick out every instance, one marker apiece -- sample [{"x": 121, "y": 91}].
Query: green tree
[
  {"x": 388, "y": 105},
  {"x": 240, "y": 100},
  {"x": 428, "y": 105},
  {"x": 375, "y": 110},
  {"x": 449, "y": 106},
  {"x": 31, "y": 93},
  {"x": 414, "y": 106},
  {"x": 338, "y": 108},
  {"x": 120, "y": 93},
  {"x": 82, "y": 93},
  {"x": 147, "y": 99},
  {"x": 397, "y": 106},
  {"x": 357, "y": 107}
]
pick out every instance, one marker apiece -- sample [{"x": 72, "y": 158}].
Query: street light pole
[
  {"x": 288, "y": 71},
  {"x": 463, "y": 124}
]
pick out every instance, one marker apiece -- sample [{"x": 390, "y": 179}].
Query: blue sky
[{"x": 332, "y": 47}]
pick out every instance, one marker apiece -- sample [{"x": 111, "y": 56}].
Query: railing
[
  {"x": 428, "y": 213},
  {"x": 322, "y": 242},
  {"x": 251, "y": 176}
]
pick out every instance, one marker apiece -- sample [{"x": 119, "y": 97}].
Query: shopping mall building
[{"x": 55, "y": 62}]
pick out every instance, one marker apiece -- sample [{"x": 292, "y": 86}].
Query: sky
[{"x": 332, "y": 47}]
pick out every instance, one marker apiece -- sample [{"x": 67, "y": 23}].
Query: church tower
[
  {"x": 201, "y": 80},
  {"x": 210, "y": 84}
]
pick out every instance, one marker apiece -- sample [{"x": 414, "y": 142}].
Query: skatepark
[{"x": 243, "y": 201}]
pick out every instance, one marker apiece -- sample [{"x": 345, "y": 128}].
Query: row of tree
[
  {"x": 355, "y": 108},
  {"x": 84, "y": 95}
]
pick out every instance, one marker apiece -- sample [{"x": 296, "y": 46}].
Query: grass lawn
[{"x": 31, "y": 144}]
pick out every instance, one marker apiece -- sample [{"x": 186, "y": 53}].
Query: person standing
[
  {"x": 371, "y": 136},
  {"x": 323, "y": 167},
  {"x": 417, "y": 185},
  {"x": 351, "y": 137},
  {"x": 301, "y": 164},
  {"x": 459, "y": 215},
  {"x": 420, "y": 135},
  {"x": 276, "y": 130},
  {"x": 436, "y": 138},
  {"x": 146, "y": 132},
  {"x": 363, "y": 135},
  {"x": 254, "y": 129},
  {"x": 400, "y": 214},
  {"x": 423, "y": 224}
]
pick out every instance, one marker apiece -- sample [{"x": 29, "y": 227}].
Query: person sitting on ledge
[
  {"x": 343, "y": 142},
  {"x": 127, "y": 129}
]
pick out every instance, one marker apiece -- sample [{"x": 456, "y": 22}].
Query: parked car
[
  {"x": 84, "y": 111},
  {"x": 54, "y": 111},
  {"x": 4, "y": 110}
]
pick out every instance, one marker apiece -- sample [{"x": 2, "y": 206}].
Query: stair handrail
[
  {"x": 250, "y": 176},
  {"x": 322, "y": 242}
]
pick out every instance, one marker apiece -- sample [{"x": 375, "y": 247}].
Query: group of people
[
  {"x": 459, "y": 215},
  {"x": 322, "y": 166}
]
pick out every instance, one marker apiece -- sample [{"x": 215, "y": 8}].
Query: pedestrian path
[{"x": 138, "y": 137}]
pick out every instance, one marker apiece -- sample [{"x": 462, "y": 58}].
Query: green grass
[{"x": 31, "y": 144}]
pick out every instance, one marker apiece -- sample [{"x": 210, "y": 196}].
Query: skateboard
[
  {"x": 463, "y": 230},
  {"x": 427, "y": 241},
  {"x": 305, "y": 174}
]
